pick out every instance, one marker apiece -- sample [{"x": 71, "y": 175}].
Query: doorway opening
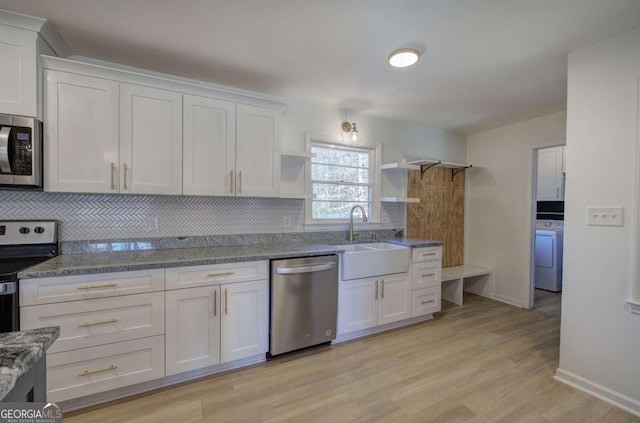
[{"x": 547, "y": 231}]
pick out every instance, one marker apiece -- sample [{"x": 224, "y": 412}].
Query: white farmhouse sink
[{"x": 372, "y": 259}]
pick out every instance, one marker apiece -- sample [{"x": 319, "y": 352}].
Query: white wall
[
  {"x": 398, "y": 139},
  {"x": 499, "y": 201},
  {"x": 600, "y": 338}
]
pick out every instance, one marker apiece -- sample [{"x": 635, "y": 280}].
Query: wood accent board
[{"x": 440, "y": 213}]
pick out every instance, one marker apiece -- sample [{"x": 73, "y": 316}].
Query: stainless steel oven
[
  {"x": 23, "y": 243},
  {"x": 20, "y": 152}
]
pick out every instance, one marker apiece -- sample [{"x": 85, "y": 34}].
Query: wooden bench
[{"x": 474, "y": 279}]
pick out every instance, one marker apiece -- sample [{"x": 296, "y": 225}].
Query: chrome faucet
[{"x": 364, "y": 219}]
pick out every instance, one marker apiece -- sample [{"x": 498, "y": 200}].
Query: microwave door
[{"x": 5, "y": 165}]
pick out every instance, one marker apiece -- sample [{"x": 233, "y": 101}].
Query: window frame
[{"x": 374, "y": 183}]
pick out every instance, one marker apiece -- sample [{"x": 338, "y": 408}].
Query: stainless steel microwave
[{"x": 20, "y": 152}]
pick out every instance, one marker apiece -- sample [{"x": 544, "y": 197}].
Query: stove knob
[
  {"x": 24, "y": 230},
  {"x": 38, "y": 229}
]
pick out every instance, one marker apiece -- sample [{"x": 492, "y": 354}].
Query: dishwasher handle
[{"x": 304, "y": 269}]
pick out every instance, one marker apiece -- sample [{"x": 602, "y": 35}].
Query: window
[{"x": 341, "y": 177}]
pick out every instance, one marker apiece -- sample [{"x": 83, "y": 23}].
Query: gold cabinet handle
[
  {"x": 239, "y": 181},
  {"x": 231, "y": 182},
  {"x": 428, "y": 302},
  {"x": 428, "y": 254},
  {"x": 382, "y": 290},
  {"x": 215, "y": 303},
  {"x": 225, "y": 302},
  {"x": 91, "y": 372},
  {"x": 113, "y": 176},
  {"x": 376, "y": 296},
  {"x": 103, "y": 322},
  {"x": 125, "y": 176},
  {"x": 104, "y": 285},
  {"x": 213, "y": 275},
  {"x": 557, "y": 192},
  {"x": 425, "y": 275}
]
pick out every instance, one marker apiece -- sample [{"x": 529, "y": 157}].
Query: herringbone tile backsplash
[{"x": 91, "y": 216}]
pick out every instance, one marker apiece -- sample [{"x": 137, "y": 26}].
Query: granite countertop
[
  {"x": 78, "y": 264},
  {"x": 20, "y": 351}
]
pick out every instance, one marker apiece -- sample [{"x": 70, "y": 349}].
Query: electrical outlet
[
  {"x": 286, "y": 222},
  {"x": 605, "y": 216}
]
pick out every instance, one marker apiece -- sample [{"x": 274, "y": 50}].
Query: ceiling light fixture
[{"x": 403, "y": 57}]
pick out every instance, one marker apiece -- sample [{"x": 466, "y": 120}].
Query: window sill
[
  {"x": 342, "y": 226},
  {"x": 634, "y": 307}
]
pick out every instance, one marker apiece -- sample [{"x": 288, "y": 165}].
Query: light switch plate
[{"x": 605, "y": 216}]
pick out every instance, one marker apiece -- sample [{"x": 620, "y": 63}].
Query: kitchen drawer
[
  {"x": 425, "y": 301},
  {"x": 83, "y": 287},
  {"x": 426, "y": 273},
  {"x": 101, "y": 321},
  {"x": 192, "y": 276},
  {"x": 75, "y": 374},
  {"x": 426, "y": 254}
]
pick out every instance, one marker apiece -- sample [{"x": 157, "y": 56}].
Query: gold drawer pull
[
  {"x": 104, "y": 322},
  {"x": 91, "y": 372},
  {"x": 113, "y": 171},
  {"x": 429, "y": 254},
  {"x": 225, "y": 302},
  {"x": 428, "y": 274},
  {"x": 105, "y": 285},
  {"x": 213, "y": 275},
  {"x": 430, "y": 301}
]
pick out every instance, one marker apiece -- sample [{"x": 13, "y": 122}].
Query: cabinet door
[
  {"x": 209, "y": 146},
  {"x": 394, "y": 302},
  {"x": 357, "y": 304},
  {"x": 80, "y": 133},
  {"x": 245, "y": 320},
  {"x": 549, "y": 178},
  {"x": 192, "y": 329},
  {"x": 150, "y": 140},
  {"x": 18, "y": 73},
  {"x": 257, "y": 152}
]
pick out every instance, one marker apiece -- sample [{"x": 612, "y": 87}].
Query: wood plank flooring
[{"x": 481, "y": 362}]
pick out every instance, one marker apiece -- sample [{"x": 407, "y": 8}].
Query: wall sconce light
[{"x": 350, "y": 127}]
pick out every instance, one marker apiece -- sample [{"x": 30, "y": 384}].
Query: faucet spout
[{"x": 364, "y": 219}]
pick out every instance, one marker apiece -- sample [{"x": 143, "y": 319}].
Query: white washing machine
[{"x": 548, "y": 255}]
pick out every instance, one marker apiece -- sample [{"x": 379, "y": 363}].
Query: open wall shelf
[{"x": 426, "y": 164}]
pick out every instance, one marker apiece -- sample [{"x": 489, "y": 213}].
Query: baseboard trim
[
  {"x": 365, "y": 332},
  {"x": 612, "y": 397},
  {"x": 507, "y": 300}
]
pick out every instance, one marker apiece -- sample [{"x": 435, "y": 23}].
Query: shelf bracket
[
  {"x": 454, "y": 172},
  {"x": 424, "y": 168}
]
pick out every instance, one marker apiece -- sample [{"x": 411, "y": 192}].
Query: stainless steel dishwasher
[{"x": 304, "y": 302}]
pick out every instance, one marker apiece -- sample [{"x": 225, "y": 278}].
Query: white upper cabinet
[
  {"x": 81, "y": 137},
  {"x": 257, "y": 151},
  {"x": 18, "y": 73},
  {"x": 550, "y": 179},
  {"x": 112, "y": 130},
  {"x": 105, "y": 137},
  {"x": 150, "y": 140},
  {"x": 209, "y": 146}
]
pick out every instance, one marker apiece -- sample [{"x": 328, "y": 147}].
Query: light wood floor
[
  {"x": 481, "y": 362},
  {"x": 547, "y": 301}
]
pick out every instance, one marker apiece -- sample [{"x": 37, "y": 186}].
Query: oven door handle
[
  {"x": 7, "y": 288},
  {"x": 5, "y": 133}
]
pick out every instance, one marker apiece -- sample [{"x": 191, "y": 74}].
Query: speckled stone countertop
[
  {"x": 78, "y": 264},
  {"x": 20, "y": 351},
  {"x": 120, "y": 261},
  {"x": 415, "y": 242}
]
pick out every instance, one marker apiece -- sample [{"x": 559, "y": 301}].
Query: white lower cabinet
[
  {"x": 193, "y": 328},
  {"x": 426, "y": 280},
  {"x": 369, "y": 302},
  {"x": 217, "y": 323},
  {"x": 87, "y": 371},
  {"x": 245, "y": 320}
]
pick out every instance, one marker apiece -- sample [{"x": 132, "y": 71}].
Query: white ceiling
[{"x": 485, "y": 63}]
